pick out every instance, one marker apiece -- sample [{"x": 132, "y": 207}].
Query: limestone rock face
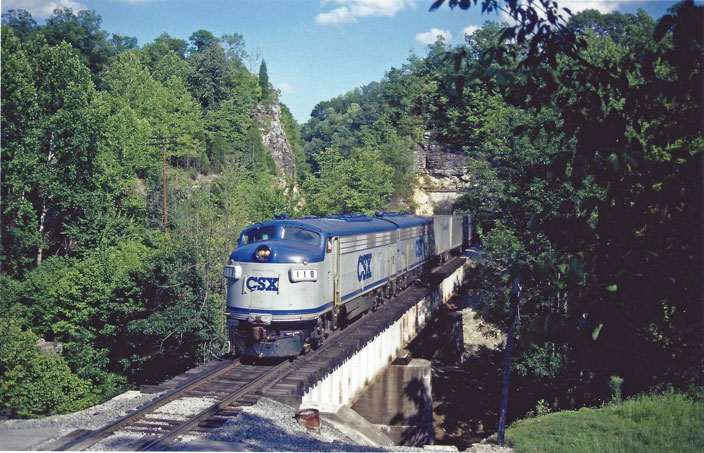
[
  {"x": 440, "y": 167},
  {"x": 274, "y": 139},
  {"x": 442, "y": 176}
]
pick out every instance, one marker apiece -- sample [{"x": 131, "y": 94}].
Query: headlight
[
  {"x": 263, "y": 253},
  {"x": 303, "y": 275}
]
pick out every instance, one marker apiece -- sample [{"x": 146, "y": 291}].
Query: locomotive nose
[{"x": 278, "y": 252}]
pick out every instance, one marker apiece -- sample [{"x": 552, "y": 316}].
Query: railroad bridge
[{"x": 367, "y": 378}]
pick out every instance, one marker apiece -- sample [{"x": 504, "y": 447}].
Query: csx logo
[
  {"x": 364, "y": 267},
  {"x": 262, "y": 284}
]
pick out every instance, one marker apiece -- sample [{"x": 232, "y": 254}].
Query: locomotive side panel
[
  {"x": 365, "y": 262},
  {"x": 413, "y": 247}
]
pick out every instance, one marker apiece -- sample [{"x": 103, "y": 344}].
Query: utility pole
[{"x": 163, "y": 143}]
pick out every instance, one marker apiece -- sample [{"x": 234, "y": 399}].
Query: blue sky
[{"x": 314, "y": 50}]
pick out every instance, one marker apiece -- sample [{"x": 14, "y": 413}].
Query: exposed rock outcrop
[
  {"x": 274, "y": 139},
  {"x": 441, "y": 167},
  {"x": 442, "y": 176}
]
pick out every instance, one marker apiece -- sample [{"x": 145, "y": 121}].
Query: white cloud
[
  {"x": 41, "y": 9},
  {"x": 336, "y": 16},
  {"x": 286, "y": 88},
  {"x": 603, "y": 6},
  {"x": 429, "y": 37},
  {"x": 468, "y": 30},
  {"x": 350, "y": 10}
]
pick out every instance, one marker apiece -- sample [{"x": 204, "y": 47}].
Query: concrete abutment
[{"x": 400, "y": 403}]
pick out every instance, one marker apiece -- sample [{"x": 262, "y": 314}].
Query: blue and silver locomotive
[{"x": 290, "y": 282}]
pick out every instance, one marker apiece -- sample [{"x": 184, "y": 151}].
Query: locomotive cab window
[
  {"x": 291, "y": 233},
  {"x": 258, "y": 234}
]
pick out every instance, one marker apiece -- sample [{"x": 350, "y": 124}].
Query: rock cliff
[
  {"x": 441, "y": 168},
  {"x": 274, "y": 139},
  {"x": 442, "y": 176}
]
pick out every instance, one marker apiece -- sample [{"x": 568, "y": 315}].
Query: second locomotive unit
[{"x": 290, "y": 282}]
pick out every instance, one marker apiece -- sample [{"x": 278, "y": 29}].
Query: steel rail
[
  {"x": 256, "y": 383},
  {"x": 262, "y": 381},
  {"x": 93, "y": 437}
]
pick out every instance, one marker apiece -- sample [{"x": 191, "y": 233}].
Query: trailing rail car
[{"x": 290, "y": 282}]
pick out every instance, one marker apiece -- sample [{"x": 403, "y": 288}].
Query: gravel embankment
[
  {"x": 266, "y": 426},
  {"x": 271, "y": 426},
  {"x": 57, "y": 426}
]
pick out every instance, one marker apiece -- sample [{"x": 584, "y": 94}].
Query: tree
[
  {"x": 21, "y": 22},
  {"x": 264, "y": 83},
  {"x": 211, "y": 79},
  {"x": 360, "y": 184},
  {"x": 19, "y": 106},
  {"x": 82, "y": 31},
  {"x": 234, "y": 47},
  {"x": 123, "y": 43},
  {"x": 51, "y": 172},
  {"x": 201, "y": 40},
  {"x": 626, "y": 120},
  {"x": 163, "y": 45}
]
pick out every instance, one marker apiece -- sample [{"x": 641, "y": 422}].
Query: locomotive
[{"x": 290, "y": 282}]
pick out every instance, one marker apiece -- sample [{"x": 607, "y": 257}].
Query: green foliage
[
  {"x": 49, "y": 163},
  {"x": 235, "y": 48},
  {"x": 84, "y": 257},
  {"x": 212, "y": 75},
  {"x": 360, "y": 184},
  {"x": 360, "y": 120},
  {"x": 81, "y": 31},
  {"x": 33, "y": 382},
  {"x": 669, "y": 422},
  {"x": 264, "y": 83},
  {"x": 616, "y": 383},
  {"x": 575, "y": 172},
  {"x": 201, "y": 40},
  {"x": 163, "y": 45},
  {"x": 20, "y": 21}
]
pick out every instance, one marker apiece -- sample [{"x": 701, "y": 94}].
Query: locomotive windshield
[
  {"x": 258, "y": 234},
  {"x": 293, "y": 233}
]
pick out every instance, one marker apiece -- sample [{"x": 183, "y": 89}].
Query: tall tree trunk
[
  {"x": 42, "y": 219},
  {"x": 45, "y": 208}
]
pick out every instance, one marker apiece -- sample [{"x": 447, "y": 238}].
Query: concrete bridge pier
[{"x": 399, "y": 403}]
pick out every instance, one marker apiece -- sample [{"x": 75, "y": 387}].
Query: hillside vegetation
[
  {"x": 85, "y": 259},
  {"x": 646, "y": 424}
]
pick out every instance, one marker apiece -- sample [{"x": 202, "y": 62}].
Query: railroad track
[{"x": 230, "y": 384}]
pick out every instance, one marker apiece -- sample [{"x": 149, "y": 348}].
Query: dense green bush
[{"x": 35, "y": 382}]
